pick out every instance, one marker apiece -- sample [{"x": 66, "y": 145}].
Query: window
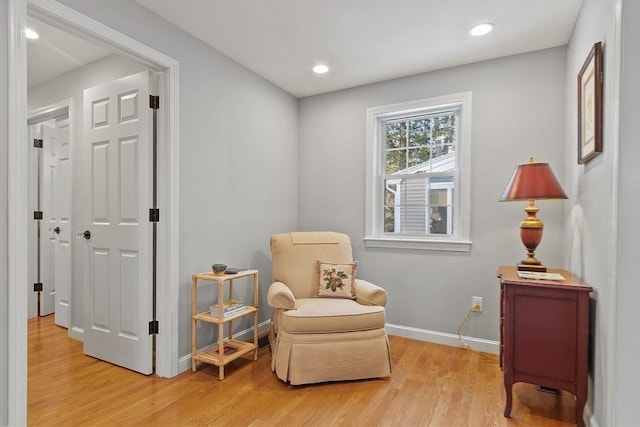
[{"x": 417, "y": 164}]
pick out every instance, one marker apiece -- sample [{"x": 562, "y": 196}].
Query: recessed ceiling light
[
  {"x": 30, "y": 34},
  {"x": 481, "y": 29},
  {"x": 320, "y": 69}
]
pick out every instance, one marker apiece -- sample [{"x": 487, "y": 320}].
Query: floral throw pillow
[{"x": 336, "y": 279}]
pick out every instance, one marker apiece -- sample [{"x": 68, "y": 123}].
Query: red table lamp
[{"x": 532, "y": 181}]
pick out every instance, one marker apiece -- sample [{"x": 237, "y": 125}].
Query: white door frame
[
  {"x": 17, "y": 189},
  {"x": 167, "y": 273}
]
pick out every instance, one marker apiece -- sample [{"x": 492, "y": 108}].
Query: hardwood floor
[{"x": 431, "y": 385}]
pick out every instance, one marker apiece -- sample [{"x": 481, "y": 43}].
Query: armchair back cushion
[{"x": 295, "y": 257}]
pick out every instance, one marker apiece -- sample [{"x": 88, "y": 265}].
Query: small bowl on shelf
[{"x": 218, "y": 269}]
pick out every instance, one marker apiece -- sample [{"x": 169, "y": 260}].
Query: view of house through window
[{"x": 419, "y": 175}]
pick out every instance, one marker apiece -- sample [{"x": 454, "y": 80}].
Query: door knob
[
  {"x": 84, "y": 234},
  {"x": 56, "y": 230}
]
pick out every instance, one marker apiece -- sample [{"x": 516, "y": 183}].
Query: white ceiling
[
  {"x": 365, "y": 41},
  {"x": 57, "y": 52},
  {"x": 362, "y": 41}
]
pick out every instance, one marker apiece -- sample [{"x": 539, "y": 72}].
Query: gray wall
[
  {"x": 590, "y": 222},
  {"x": 4, "y": 274},
  {"x": 238, "y": 152},
  {"x": 604, "y": 250},
  {"x": 628, "y": 276},
  {"x": 518, "y": 112}
]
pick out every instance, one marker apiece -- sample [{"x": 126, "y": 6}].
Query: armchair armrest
[
  {"x": 280, "y": 296},
  {"x": 369, "y": 294}
]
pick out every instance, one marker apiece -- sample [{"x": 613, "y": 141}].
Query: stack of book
[{"x": 232, "y": 307}]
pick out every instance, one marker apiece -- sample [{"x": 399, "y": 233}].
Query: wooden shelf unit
[{"x": 233, "y": 348}]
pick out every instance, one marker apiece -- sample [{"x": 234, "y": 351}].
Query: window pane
[
  {"x": 414, "y": 219},
  {"x": 406, "y": 209},
  {"x": 391, "y": 201},
  {"x": 440, "y": 205},
  {"x": 415, "y": 199},
  {"x": 444, "y": 128},
  {"x": 438, "y": 197},
  {"x": 443, "y": 134},
  {"x": 396, "y": 161},
  {"x": 396, "y": 134},
  {"x": 418, "y": 132},
  {"x": 418, "y": 156},
  {"x": 389, "y": 220},
  {"x": 438, "y": 220},
  {"x": 390, "y": 191}
]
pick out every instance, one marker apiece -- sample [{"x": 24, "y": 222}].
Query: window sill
[{"x": 418, "y": 244}]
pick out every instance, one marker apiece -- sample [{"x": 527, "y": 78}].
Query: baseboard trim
[
  {"x": 480, "y": 344},
  {"x": 184, "y": 362},
  {"x": 76, "y": 333}
]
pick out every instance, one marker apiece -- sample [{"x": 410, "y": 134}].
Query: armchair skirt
[{"x": 314, "y": 358}]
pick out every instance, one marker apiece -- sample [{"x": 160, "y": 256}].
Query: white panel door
[
  {"x": 115, "y": 175},
  {"x": 62, "y": 251},
  {"x": 49, "y": 227}
]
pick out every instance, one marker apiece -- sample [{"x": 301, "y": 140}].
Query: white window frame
[{"x": 375, "y": 236}]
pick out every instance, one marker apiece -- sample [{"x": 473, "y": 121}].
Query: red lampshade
[{"x": 532, "y": 181}]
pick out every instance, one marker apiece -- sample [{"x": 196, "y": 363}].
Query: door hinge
[
  {"x": 37, "y": 143},
  {"x": 154, "y": 215},
  {"x": 37, "y": 287},
  {"x": 154, "y": 102},
  {"x": 37, "y": 214},
  {"x": 153, "y": 327}
]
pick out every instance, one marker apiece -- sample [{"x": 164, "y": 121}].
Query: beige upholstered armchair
[{"x": 324, "y": 338}]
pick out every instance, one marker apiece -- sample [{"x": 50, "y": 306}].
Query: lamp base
[{"x": 532, "y": 267}]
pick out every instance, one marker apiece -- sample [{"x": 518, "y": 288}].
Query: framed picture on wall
[{"x": 590, "y": 80}]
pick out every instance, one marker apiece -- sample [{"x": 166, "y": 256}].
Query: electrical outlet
[{"x": 476, "y": 304}]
